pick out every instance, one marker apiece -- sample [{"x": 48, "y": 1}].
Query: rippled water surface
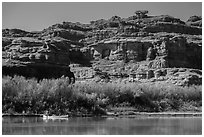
[{"x": 96, "y": 125}]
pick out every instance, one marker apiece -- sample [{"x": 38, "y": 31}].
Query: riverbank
[
  {"x": 57, "y": 97},
  {"x": 127, "y": 114}
]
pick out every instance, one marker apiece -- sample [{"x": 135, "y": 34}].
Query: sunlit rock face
[
  {"x": 173, "y": 52},
  {"x": 136, "y": 47},
  {"x": 175, "y": 28},
  {"x": 36, "y": 58},
  {"x": 36, "y": 51}
]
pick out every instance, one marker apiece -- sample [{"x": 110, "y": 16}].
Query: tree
[{"x": 141, "y": 13}]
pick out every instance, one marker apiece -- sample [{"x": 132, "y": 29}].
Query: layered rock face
[
  {"x": 163, "y": 53},
  {"x": 72, "y": 35},
  {"x": 176, "y": 28},
  {"x": 18, "y": 33},
  {"x": 27, "y": 51},
  {"x": 177, "y": 52},
  {"x": 183, "y": 54},
  {"x": 40, "y": 59},
  {"x": 137, "y": 47},
  {"x": 120, "y": 49}
]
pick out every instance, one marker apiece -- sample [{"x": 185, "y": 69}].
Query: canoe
[{"x": 55, "y": 117}]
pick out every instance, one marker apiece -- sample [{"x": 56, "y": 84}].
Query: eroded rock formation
[
  {"x": 195, "y": 21},
  {"x": 40, "y": 59},
  {"x": 173, "y": 52},
  {"x": 139, "y": 47}
]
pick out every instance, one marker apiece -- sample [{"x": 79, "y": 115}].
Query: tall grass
[{"x": 20, "y": 95}]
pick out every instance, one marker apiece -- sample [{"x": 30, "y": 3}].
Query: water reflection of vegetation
[
  {"x": 20, "y": 95},
  {"x": 101, "y": 126},
  {"x": 21, "y": 120}
]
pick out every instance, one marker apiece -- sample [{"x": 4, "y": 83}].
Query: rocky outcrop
[
  {"x": 50, "y": 51},
  {"x": 37, "y": 58},
  {"x": 74, "y": 26},
  {"x": 119, "y": 73},
  {"x": 153, "y": 19},
  {"x": 6, "y": 41},
  {"x": 119, "y": 49},
  {"x": 98, "y": 35},
  {"x": 177, "y": 52},
  {"x": 81, "y": 56},
  {"x": 14, "y": 33},
  {"x": 69, "y": 34},
  {"x": 194, "y": 18},
  {"x": 170, "y": 27},
  {"x": 18, "y": 33},
  {"x": 195, "y": 21},
  {"x": 137, "y": 27},
  {"x": 140, "y": 47},
  {"x": 163, "y": 53}
]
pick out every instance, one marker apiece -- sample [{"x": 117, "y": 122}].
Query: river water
[{"x": 102, "y": 126}]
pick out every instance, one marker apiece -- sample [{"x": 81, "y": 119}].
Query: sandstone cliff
[
  {"x": 36, "y": 58},
  {"x": 137, "y": 47}
]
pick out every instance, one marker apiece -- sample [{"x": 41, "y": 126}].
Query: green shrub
[{"x": 20, "y": 95}]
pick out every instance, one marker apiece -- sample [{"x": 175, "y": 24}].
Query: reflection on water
[{"x": 96, "y": 125}]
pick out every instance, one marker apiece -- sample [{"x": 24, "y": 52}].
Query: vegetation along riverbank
[{"x": 58, "y": 97}]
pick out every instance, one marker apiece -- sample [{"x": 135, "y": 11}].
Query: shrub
[{"x": 20, "y": 95}]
